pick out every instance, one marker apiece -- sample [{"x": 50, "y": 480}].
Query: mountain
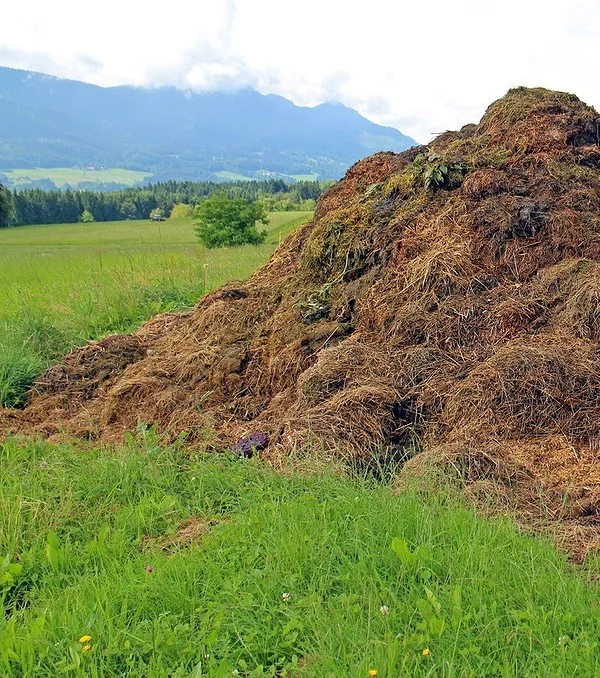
[{"x": 52, "y": 122}]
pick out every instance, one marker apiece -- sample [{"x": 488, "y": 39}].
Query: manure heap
[{"x": 449, "y": 294}]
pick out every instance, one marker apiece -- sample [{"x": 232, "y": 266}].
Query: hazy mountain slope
[{"x": 45, "y": 121}]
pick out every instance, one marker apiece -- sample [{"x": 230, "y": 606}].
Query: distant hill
[{"x": 51, "y": 122}]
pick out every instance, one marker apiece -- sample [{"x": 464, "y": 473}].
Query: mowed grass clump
[
  {"x": 146, "y": 561},
  {"x": 64, "y": 284}
]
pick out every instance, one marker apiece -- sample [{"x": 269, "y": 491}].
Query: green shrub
[
  {"x": 87, "y": 217},
  {"x": 227, "y": 222}
]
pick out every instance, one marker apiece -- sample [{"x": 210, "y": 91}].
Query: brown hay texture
[{"x": 449, "y": 293}]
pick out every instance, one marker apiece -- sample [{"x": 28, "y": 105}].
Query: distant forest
[{"x": 36, "y": 206}]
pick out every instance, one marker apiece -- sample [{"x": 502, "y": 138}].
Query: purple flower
[
  {"x": 149, "y": 568},
  {"x": 248, "y": 445}
]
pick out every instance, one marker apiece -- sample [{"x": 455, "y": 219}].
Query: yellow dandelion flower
[
  {"x": 372, "y": 672},
  {"x": 426, "y": 652},
  {"x": 85, "y": 639},
  {"x": 86, "y": 648}
]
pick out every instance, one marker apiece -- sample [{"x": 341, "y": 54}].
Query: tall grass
[
  {"x": 64, "y": 284},
  {"x": 208, "y": 566}
]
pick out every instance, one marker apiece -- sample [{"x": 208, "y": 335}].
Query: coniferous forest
[{"x": 37, "y": 206}]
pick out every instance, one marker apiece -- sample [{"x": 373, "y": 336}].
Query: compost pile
[{"x": 444, "y": 299}]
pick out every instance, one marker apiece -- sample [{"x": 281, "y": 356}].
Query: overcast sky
[{"x": 421, "y": 66}]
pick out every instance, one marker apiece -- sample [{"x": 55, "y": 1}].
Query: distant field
[
  {"x": 305, "y": 177},
  {"x": 63, "y": 284},
  {"x": 232, "y": 176},
  {"x": 139, "y": 235},
  {"x": 19, "y": 178}
]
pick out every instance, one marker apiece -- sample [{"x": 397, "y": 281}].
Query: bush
[
  {"x": 226, "y": 222},
  {"x": 181, "y": 211}
]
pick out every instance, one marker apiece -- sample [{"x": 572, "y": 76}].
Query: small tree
[
  {"x": 128, "y": 210},
  {"x": 87, "y": 217},
  {"x": 225, "y": 222},
  {"x": 181, "y": 210}
]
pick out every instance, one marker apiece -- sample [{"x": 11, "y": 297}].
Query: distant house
[{"x": 157, "y": 214}]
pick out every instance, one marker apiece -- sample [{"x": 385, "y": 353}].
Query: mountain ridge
[{"x": 47, "y": 121}]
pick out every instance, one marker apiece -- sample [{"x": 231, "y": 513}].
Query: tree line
[{"x": 36, "y": 206}]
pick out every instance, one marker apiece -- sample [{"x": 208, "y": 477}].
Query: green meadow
[
  {"x": 236, "y": 176},
  {"x": 144, "y": 560},
  {"x": 21, "y": 178},
  {"x": 305, "y": 177},
  {"x": 232, "y": 176},
  {"x": 152, "y": 560},
  {"x": 64, "y": 284}
]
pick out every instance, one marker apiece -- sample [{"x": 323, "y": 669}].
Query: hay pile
[{"x": 449, "y": 294}]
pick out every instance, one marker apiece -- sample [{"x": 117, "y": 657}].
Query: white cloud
[{"x": 423, "y": 67}]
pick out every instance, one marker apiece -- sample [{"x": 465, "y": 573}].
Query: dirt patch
[
  {"x": 449, "y": 293},
  {"x": 190, "y": 532}
]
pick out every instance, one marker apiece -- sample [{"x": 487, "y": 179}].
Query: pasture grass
[
  {"x": 232, "y": 176},
  {"x": 65, "y": 284},
  {"x": 305, "y": 177},
  {"x": 20, "y": 178},
  {"x": 196, "y": 565}
]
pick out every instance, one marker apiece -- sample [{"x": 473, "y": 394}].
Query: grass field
[
  {"x": 305, "y": 177},
  {"x": 232, "y": 176},
  {"x": 64, "y": 284},
  {"x": 144, "y": 561},
  {"x": 20, "y": 178}
]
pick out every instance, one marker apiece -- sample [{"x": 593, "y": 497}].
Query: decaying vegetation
[{"x": 446, "y": 295}]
